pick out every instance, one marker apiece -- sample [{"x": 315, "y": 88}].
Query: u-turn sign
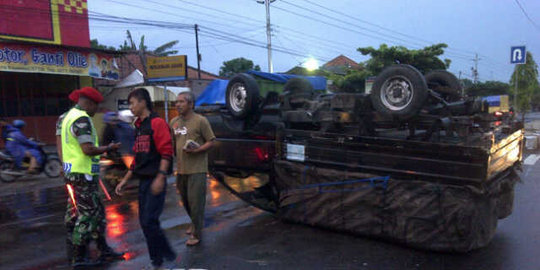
[{"x": 518, "y": 55}]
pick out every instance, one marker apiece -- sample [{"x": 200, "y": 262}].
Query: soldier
[{"x": 85, "y": 215}]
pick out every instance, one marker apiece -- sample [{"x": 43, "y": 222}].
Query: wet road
[{"x": 238, "y": 236}]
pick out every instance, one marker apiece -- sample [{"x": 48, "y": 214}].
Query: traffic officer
[{"x": 85, "y": 214}]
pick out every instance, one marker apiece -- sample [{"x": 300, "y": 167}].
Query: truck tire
[
  {"x": 399, "y": 91},
  {"x": 444, "y": 83},
  {"x": 505, "y": 202},
  {"x": 296, "y": 91},
  {"x": 242, "y": 96}
]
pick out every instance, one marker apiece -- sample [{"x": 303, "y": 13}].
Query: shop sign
[
  {"x": 167, "y": 68},
  {"x": 43, "y": 59}
]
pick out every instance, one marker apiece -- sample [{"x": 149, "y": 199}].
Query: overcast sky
[{"x": 326, "y": 29}]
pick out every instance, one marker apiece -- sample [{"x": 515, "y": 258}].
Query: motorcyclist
[
  {"x": 19, "y": 147},
  {"x": 118, "y": 131}
]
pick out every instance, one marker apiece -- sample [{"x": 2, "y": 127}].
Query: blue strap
[{"x": 381, "y": 181}]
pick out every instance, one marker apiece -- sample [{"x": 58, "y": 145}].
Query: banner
[
  {"x": 61, "y": 22},
  {"x": 167, "y": 68},
  {"x": 57, "y": 60}
]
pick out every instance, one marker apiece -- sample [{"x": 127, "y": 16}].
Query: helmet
[
  {"x": 126, "y": 116},
  {"x": 109, "y": 117},
  {"x": 19, "y": 123}
]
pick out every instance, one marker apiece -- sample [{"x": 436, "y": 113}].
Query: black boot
[
  {"x": 69, "y": 250},
  {"x": 106, "y": 252},
  {"x": 80, "y": 259}
]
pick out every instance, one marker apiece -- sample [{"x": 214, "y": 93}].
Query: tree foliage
[
  {"x": 425, "y": 60},
  {"x": 353, "y": 81},
  {"x": 237, "y": 65},
  {"x": 526, "y": 76},
  {"x": 165, "y": 49},
  {"x": 94, "y": 43},
  {"x": 142, "y": 49},
  {"x": 489, "y": 88}
]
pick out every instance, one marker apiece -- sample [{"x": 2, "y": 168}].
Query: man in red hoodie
[{"x": 153, "y": 154}]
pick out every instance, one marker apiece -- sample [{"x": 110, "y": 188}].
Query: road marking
[{"x": 531, "y": 159}]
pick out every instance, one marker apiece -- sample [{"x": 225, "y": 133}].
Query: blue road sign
[{"x": 518, "y": 55}]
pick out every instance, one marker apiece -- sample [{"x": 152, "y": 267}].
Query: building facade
[{"x": 44, "y": 55}]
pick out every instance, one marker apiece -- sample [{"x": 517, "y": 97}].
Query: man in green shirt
[{"x": 193, "y": 137}]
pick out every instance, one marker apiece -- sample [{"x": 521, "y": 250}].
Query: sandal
[
  {"x": 192, "y": 241},
  {"x": 190, "y": 229}
]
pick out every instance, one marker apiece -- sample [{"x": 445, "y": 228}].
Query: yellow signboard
[
  {"x": 167, "y": 68},
  {"x": 46, "y": 59}
]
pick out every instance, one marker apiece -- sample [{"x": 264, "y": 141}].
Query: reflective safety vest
[{"x": 75, "y": 161}]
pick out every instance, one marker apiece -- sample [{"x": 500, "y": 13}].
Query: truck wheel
[
  {"x": 242, "y": 95},
  {"x": 444, "y": 83},
  {"x": 297, "y": 91},
  {"x": 400, "y": 91}
]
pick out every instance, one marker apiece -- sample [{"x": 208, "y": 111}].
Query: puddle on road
[{"x": 26, "y": 208}]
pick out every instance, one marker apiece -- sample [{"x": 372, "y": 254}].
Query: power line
[
  {"x": 527, "y": 15},
  {"x": 260, "y": 22},
  {"x": 451, "y": 51},
  {"x": 213, "y": 33},
  {"x": 453, "y": 54},
  {"x": 239, "y": 39},
  {"x": 378, "y": 26},
  {"x": 335, "y": 25}
]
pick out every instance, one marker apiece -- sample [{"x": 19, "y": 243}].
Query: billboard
[
  {"x": 166, "y": 68},
  {"x": 56, "y": 60},
  {"x": 61, "y": 22}
]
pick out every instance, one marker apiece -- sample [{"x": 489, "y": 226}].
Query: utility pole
[
  {"x": 475, "y": 69},
  {"x": 461, "y": 83},
  {"x": 198, "y": 54},
  {"x": 268, "y": 33}
]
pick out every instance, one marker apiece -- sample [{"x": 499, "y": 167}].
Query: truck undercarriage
[{"x": 407, "y": 163}]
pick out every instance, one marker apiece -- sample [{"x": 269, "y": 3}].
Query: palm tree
[{"x": 163, "y": 50}]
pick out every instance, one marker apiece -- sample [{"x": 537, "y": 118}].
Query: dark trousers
[
  {"x": 192, "y": 189},
  {"x": 150, "y": 208}
]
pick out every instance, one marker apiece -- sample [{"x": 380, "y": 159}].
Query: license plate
[{"x": 296, "y": 152}]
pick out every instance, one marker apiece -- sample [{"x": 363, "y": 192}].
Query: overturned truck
[{"x": 413, "y": 161}]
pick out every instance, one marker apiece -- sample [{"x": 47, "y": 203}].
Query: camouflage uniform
[{"x": 87, "y": 221}]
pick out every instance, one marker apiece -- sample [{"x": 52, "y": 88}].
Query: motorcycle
[{"x": 52, "y": 167}]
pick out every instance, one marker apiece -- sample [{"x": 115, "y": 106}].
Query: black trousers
[{"x": 150, "y": 208}]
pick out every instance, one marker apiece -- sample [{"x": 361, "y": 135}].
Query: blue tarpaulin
[
  {"x": 215, "y": 91},
  {"x": 318, "y": 82}
]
